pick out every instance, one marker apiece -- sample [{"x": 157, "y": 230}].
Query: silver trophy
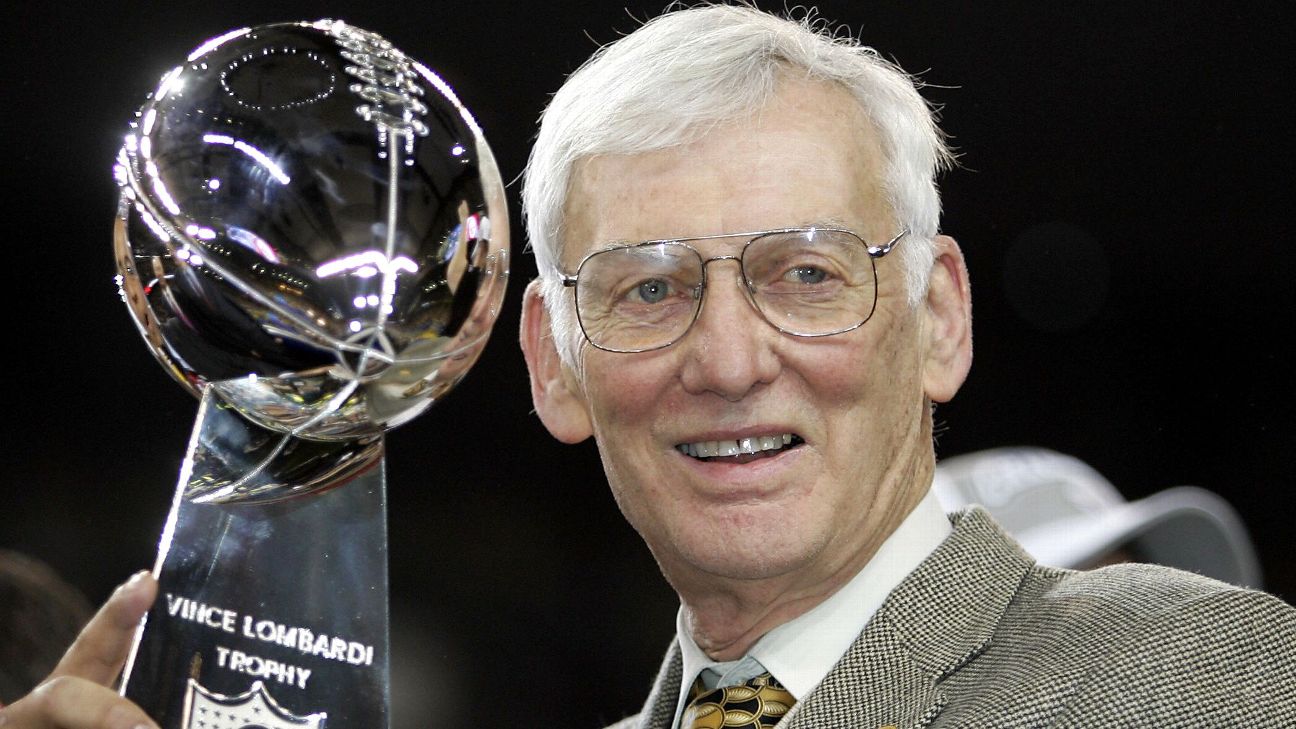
[{"x": 312, "y": 237}]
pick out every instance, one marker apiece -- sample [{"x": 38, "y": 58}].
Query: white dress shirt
[{"x": 800, "y": 652}]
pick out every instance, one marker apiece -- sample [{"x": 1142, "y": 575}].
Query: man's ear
[
  {"x": 949, "y": 323},
  {"x": 558, "y": 401}
]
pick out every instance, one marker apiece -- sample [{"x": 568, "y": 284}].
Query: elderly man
[{"x": 744, "y": 300}]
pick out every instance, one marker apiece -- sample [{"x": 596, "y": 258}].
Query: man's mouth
[{"x": 741, "y": 450}]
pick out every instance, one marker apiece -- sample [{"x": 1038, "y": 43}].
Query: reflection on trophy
[{"x": 312, "y": 237}]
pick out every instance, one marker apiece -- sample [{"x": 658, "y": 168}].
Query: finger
[
  {"x": 98, "y": 653},
  {"x": 67, "y": 702}
]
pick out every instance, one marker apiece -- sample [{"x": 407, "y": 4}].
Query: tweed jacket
[{"x": 981, "y": 636}]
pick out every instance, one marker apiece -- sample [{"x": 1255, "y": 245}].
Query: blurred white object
[{"x": 1067, "y": 515}]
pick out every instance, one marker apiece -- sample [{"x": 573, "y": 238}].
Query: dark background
[{"x": 1124, "y": 202}]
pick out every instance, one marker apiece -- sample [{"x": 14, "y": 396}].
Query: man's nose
[{"x": 731, "y": 348}]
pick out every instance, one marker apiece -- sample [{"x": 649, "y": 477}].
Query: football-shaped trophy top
[{"x": 312, "y": 224}]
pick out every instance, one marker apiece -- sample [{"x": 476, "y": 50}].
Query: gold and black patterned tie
[{"x": 759, "y": 703}]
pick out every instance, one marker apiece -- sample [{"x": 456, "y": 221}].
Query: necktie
[{"x": 759, "y": 703}]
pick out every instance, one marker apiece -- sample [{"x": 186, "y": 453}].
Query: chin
[
  {"x": 750, "y": 569},
  {"x": 752, "y": 552}
]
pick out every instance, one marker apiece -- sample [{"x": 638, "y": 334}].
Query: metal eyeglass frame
[{"x": 874, "y": 252}]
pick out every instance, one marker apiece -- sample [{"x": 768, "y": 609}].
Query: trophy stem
[{"x": 272, "y": 569}]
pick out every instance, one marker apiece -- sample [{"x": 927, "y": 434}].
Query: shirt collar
[{"x": 801, "y": 652}]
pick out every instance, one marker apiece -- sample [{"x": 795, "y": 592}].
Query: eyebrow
[{"x": 829, "y": 222}]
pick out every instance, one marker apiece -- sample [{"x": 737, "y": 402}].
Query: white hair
[{"x": 681, "y": 74}]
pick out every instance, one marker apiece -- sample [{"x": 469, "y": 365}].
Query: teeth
[{"x": 755, "y": 444}]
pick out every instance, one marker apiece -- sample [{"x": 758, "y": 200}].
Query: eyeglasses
[{"x": 807, "y": 282}]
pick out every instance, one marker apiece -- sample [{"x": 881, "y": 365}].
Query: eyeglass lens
[{"x": 807, "y": 283}]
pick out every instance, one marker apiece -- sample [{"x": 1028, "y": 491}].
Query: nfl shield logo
[{"x": 252, "y": 709}]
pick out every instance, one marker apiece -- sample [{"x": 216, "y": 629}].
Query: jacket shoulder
[
  {"x": 1170, "y": 648},
  {"x": 1131, "y": 645},
  {"x": 1224, "y": 658}
]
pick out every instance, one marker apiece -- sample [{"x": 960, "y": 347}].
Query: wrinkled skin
[{"x": 750, "y": 543}]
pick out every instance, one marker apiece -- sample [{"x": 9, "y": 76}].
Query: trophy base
[{"x": 272, "y": 608}]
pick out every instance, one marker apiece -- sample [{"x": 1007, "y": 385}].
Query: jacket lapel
[
  {"x": 659, "y": 710},
  {"x": 936, "y": 621}
]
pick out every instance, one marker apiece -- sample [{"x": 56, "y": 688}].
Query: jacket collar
[{"x": 938, "y": 619}]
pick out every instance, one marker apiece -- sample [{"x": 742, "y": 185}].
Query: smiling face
[{"x": 842, "y": 422}]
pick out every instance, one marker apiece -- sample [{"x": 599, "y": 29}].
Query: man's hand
[{"x": 78, "y": 694}]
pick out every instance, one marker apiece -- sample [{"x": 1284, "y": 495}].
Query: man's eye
[
  {"x": 651, "y": 291},
  {"x": 806, "y": 275}
]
